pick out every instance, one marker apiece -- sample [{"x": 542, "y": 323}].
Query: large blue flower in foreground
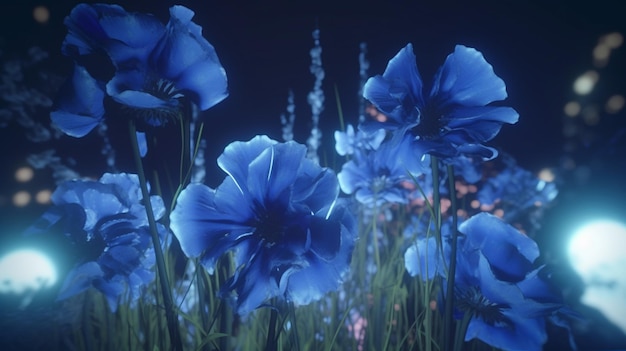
[
  {"x": 153, "y": 66},
  {"x": 279, "y": 213},
  {"x": 495, "y": 268},
  {"x": 450, "y": 119},
  {"x": 108, "y": 217}
]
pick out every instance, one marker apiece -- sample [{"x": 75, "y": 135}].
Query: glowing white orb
[
  {"x": 598, "y": 254},
  {"x": 25, "y": 270},
  {"x": 585, "y": 83}
]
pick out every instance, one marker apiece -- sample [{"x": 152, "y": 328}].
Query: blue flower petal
[
  {"x": 391, "y": 100},
  {"x": 325, "y": 242},
  {"x": 319, "y": 277},
  {"x": 79, "y": 279},
  {"x": 510, "y": 253},
  {"x": 238, "y": 155},
  {"x": 112, "y": 289},
  {"x": 466, "y": 79},
  {"x": 126, "y": 37},
  {"x": 485, "y": 152},
  {"x": 398, "y": 92},
  {"x": 527, "y": 333},
  {"x": 422, "y": 259},
  {"x": 185, "y": 57},
  {"x": 272, "y": 174},
  {"x": 201, "y": 228},
  {"x": 402, "y": 71},
  {"x": 120, "y": 259},
  {"x": 314, "y": 188},
  {"x": 229, "y": 201},
  {"x": 482, "y": 123},
  {"x": 80, "y": 105}
]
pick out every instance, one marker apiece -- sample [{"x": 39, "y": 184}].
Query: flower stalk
[
  {"x": 271, "y": 343},
  {"x": 170, "y": 314},
  {"x": 448, "y": 320}
]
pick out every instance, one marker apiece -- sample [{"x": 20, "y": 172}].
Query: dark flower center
[
  {"x": 160, "y": 115},
  {"x": 472, "y": 301},
  {"x": 163, "y": 89},
  {"x": 270, "y": 227},
  {"x": 430, "y": 124}
]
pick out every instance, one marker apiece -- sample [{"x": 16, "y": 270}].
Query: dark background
[{"x": 537, "y": 47}]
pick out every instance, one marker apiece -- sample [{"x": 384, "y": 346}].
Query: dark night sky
[{"x": 537, "y": 47}]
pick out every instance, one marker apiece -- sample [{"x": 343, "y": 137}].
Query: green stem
[
  {"x": 170, "y": 314},
  {"x": 434, "y": 165},
  {"x": 448, "y": 326},
  {"x": 185, "y": 152},
  {"x": 271, "y": 344},
  {"x": 459, "y": 337},
  {"x": 294, "y": 325}
]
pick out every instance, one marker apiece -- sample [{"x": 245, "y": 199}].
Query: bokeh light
[
  {"x": 602, "y": 51},
  {"x": 21, "y": 198},
  {"x": 24, "y": 174},
  {"x": 26, "y": 270},
  {"x": 614, "y": 104},
  {"x": 572, "y": 108},
  {"x": 43, "y": 196},
  {"x": 613, "y": 40},
  {"x": 597, "y": 252},
  {"x": 585, "y": 83},
  {"x": 41, "y": 14},
  {"x": 547, "y": 175}
]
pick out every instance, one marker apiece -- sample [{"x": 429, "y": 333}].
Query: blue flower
[
  {"x": 349, "y": 142},
  {"x": 452, "y": 119},
  {"x": 107, "y": 217},
  {"x": 377, "y": 177},
  {"x": 495, "y": 268},
  {"x": 516, "y": 190},
  {"x": 279, "y": 213},
  {"x": 154, "y": 66},
  {"x": 423, "y": 258},
  {"x": 183, "y": 63}
]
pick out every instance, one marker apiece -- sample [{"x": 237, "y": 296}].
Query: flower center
[
  {"x": 429, "y": 126},
  {"x": 270, "y": 228},
  {"x": 163, "y": 89},
  {"x": 472, "y": 301},
  {"x": 168, "y": 109},
  {"x": 379, "y": 183}
]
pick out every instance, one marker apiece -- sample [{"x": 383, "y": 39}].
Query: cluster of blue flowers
[
  {"x": 498, "y": 284},
  {"x": 108, "y": 217},
  {"x": 280, "y": 216}
]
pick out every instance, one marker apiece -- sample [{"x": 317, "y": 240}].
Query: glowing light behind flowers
[
  {"x": 585, "y": 83},
  {"x": 597, "y": 252},
  {"x": 21, "y": 198},
  {"x": 41, "y": 14},
  {"x": 606, "y": 44},
  {"x": 614, "y": 104},
  {"x": 26, "y": 270},
  {"x": 24, "y": 174}
]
